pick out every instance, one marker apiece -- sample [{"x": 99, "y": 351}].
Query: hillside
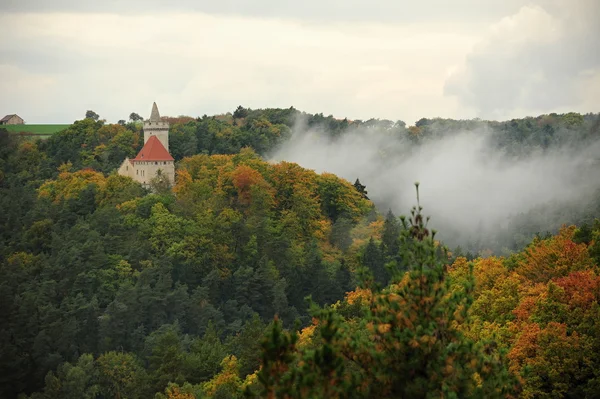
[
  {"x": 241, "y": 240},
  {"x": 457, "y": 161},
  {"x": 199, "y": 290}
]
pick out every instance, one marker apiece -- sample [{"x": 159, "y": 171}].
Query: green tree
[
  {"x": 166, "y": 357},
  {"x": 135, "y": 117},
  {"x": 340, "y": 233},
  {"x": 240, "y": 112},
  {"x": 120, "y": 375},
  {"x": 91, "y": 115},
  {"x": 373, "y": 260},
  {"x": 361, "y": 189},
  {"x": 390, "y": 235},
  {"x": 205, "y": 355},
  {"x": 71, "y": 381},
  {"x": 246, "y": 345},
  {"x": 160, "y": 183}
]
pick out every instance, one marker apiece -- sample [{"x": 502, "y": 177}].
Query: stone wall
[
  {"x": 126, "y": 168},
  {"x": 144, "y": 171}
]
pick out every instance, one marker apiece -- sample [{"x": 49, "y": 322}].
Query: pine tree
[
  {"x": 416, "y": 348},
  {"x": 390, "y": 235},
  {"x": 361, "y": 189},
  {"x": 407, "y": 344},
  {"x": 373, "y": 261}
]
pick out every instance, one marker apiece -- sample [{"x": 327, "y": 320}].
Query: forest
[{"x": 264, "y": 279}]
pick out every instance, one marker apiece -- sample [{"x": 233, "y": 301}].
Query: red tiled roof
[{"x": 153, "y": 151}]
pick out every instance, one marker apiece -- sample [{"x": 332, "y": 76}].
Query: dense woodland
[{"x": 258, "y": 279}]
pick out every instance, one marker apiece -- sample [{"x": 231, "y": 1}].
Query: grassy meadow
[{"x": 39, "y": 131}]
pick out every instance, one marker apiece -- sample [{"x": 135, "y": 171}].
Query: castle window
[
  {"x": 165, "y": 162},
  {"x": 155, "y": 163},
  {"x": 137, "y": 172}
]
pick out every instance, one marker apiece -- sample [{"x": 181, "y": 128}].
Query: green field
[{"x": 38, "y": 130}]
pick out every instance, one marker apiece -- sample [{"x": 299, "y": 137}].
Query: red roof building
[
  {"x": 153, "y": 150},
  {"x": 153, "y": 161}
]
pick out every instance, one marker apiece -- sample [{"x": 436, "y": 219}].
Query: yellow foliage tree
[{"x": 228, "y": 380}]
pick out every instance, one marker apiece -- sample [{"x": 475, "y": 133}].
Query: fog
[{"x": 472, "y": 190}]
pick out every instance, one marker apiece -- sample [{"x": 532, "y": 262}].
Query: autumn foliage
[
  {"x": 543, "y": 306},
  {"x": 271, "y": 280}
]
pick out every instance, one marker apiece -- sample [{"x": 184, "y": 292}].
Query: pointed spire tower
[
  {"x": 154, "y": 159},
  {"x": 154, "y": 116},
  {"x": 156, "y": 127}
]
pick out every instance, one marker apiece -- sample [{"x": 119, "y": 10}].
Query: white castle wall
[
  {"x": 158, "y": 129},
  {"x": 144, "y": 171}
]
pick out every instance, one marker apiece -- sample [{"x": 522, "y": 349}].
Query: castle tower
[
  {"x": 154, "y": 159},
  {"x": 156, "y": 127}
]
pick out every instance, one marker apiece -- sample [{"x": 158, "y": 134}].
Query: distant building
[
  {"x": 154, "y": 158},
  {"x": 13, "y": 119}
]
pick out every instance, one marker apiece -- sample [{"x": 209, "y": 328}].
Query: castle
[{"x": 154, "y": 158}]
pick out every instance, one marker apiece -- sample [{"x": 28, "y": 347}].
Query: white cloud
[
  {"x": 197, "y": 63},
  {"x": 471, "y": 188},
  {"x": 354, "y": 59},
  {"x": 307, "y": 11},
  {"x": 535, "y": 61}
]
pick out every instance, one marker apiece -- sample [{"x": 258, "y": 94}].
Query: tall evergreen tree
[
  {"x": 390, "y": 235},
  {"x": 373, "y": 260}
]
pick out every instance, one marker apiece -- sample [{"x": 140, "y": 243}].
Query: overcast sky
[{"x": 351, "y": 58}]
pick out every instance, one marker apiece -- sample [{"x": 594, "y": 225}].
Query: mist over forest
[{"x": 477, "y": 184}]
